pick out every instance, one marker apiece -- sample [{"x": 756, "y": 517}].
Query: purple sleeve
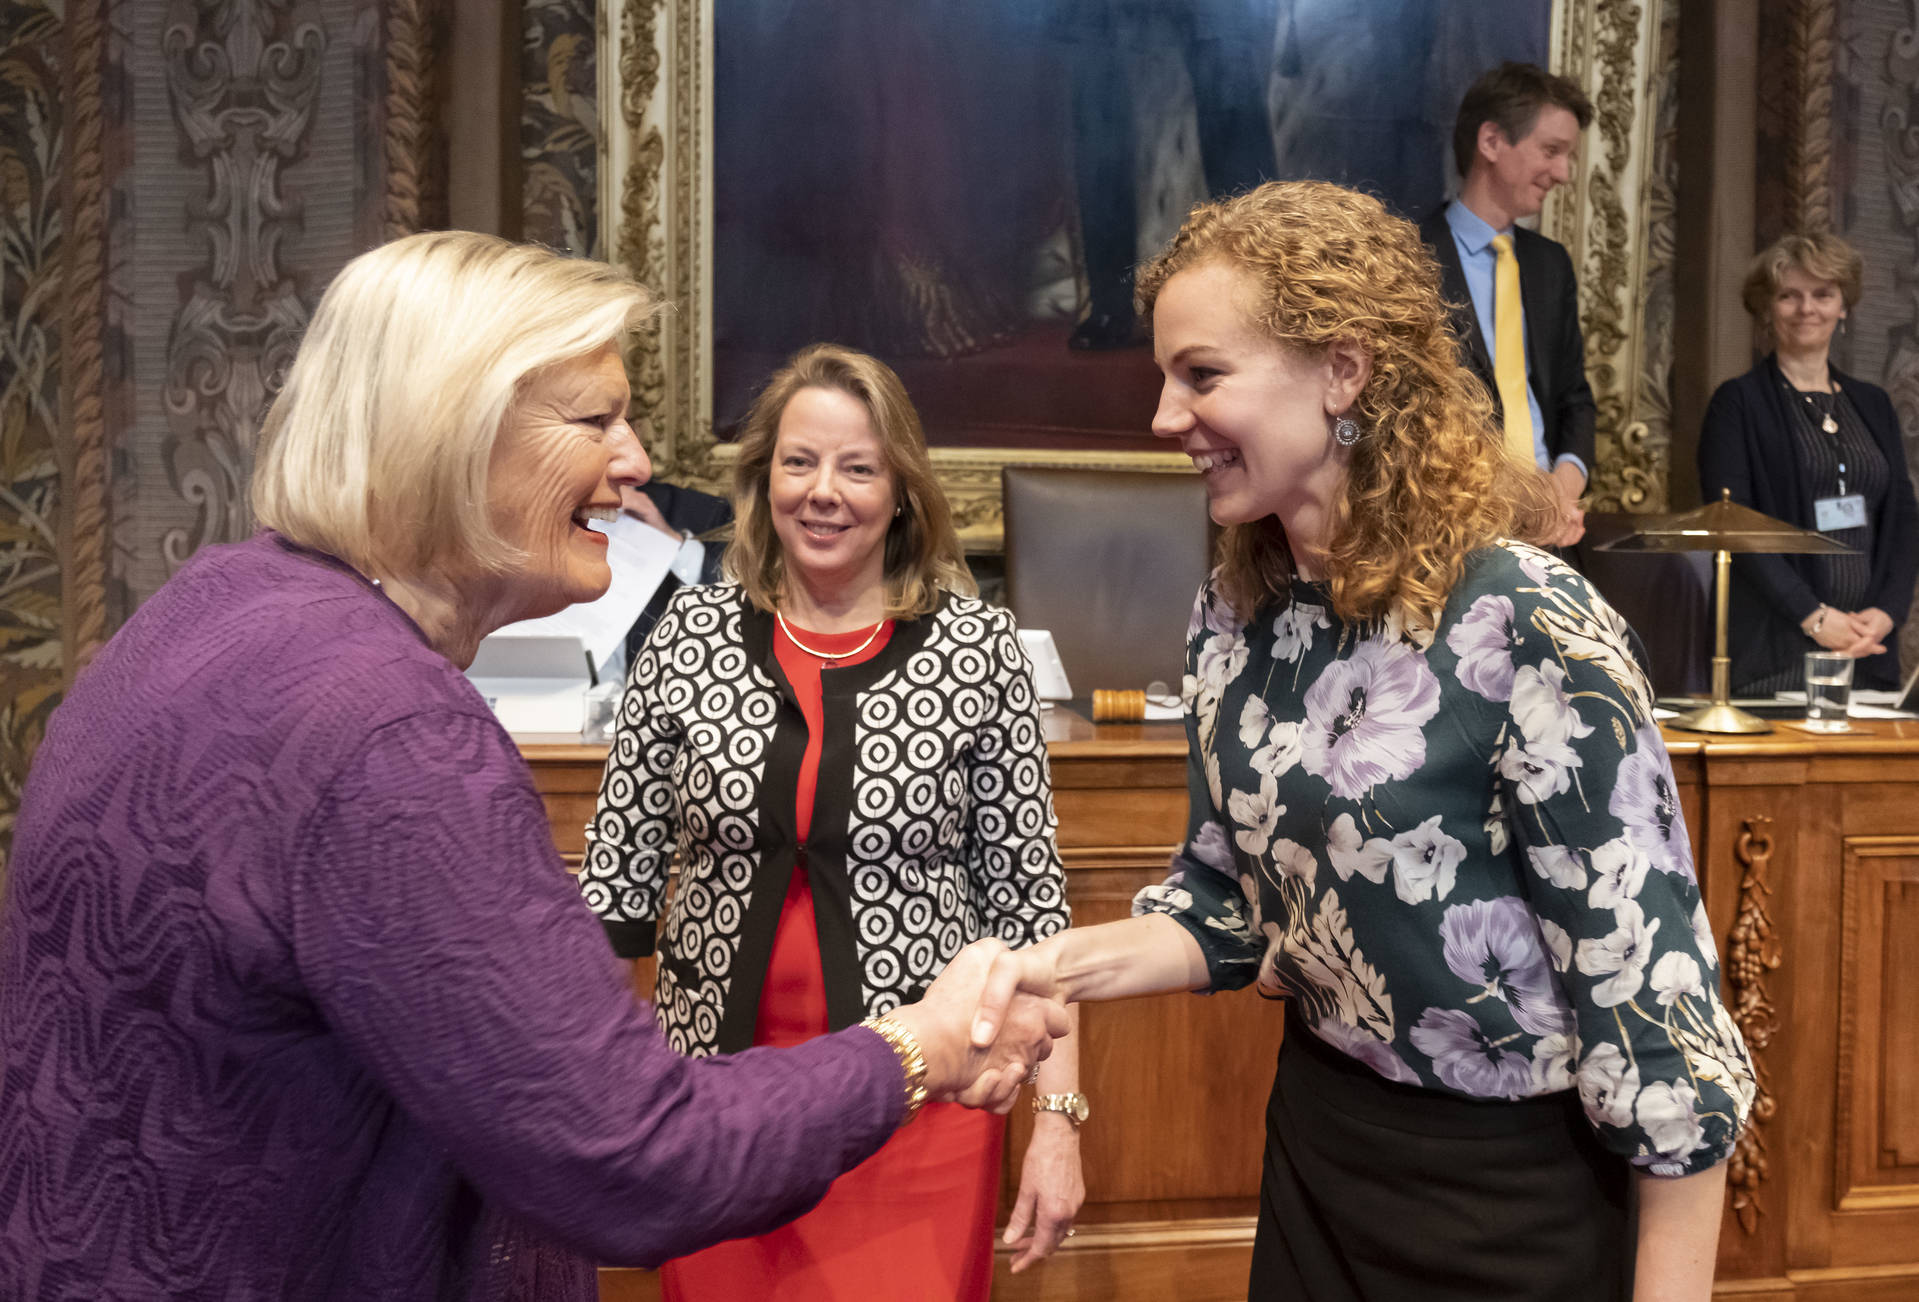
[{"x": 437, "y": 931}]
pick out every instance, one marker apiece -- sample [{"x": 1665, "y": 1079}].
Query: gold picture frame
[{"x": 656, "y": 84}]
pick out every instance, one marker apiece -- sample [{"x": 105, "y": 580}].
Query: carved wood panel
[{"x": 1877, "y": 1117}]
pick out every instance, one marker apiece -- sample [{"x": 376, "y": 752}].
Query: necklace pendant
[{"x": 1829, "y": 425}]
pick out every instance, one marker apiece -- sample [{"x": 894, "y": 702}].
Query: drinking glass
[
  {"x": 1828, "y": 690},
  {"x": 602, "y": 709}
]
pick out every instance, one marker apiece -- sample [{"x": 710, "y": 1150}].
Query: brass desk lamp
[{"x": 1721, "y": 527}]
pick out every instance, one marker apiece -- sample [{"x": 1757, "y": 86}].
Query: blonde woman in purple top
[{"x": 296, "y": 997}]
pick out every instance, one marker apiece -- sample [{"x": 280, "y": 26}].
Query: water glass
[
  {"x": 1828, "y": 690},
  {"x": 602, "y": 710}
]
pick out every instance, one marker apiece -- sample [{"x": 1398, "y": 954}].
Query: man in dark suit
[
  {"x": 1514, "y": 299},
  {"x": 683, "y": 513}
]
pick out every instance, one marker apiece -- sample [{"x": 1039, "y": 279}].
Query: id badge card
[{"x": 1833, "y": 513}]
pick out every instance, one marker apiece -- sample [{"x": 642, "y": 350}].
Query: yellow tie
[{"x": 1509, "y": 353}]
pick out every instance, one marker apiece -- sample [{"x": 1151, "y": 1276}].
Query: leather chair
[{"x": 1109, "y": 562}]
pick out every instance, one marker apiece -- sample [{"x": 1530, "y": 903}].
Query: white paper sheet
[
  {"x": 639, "y": 556},
  {"x": 1865, "y": 703}
]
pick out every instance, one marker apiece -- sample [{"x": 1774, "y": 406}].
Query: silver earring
[
  {"x": 1345, "y": 431},
  {"x": 896, "y": 510}
]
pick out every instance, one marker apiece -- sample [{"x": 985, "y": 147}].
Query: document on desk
[
  {"x": 1163, "y": 707},
  {"x": 639, "y": 556},
  {"x": 1866, "y": 703}
]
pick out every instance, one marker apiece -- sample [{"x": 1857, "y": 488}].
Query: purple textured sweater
[{"x": 298, "y": 1001}]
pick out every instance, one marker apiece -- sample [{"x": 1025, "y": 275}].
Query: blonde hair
[
  {"x": 1819, "y": 255},
  {"x": 1429, "y": 480},
  {"x": 378, "y": 447},
  {"x": 923, "y": 553}
]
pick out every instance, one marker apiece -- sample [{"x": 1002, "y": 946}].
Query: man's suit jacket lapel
[{"x": 1452, "y": 288}]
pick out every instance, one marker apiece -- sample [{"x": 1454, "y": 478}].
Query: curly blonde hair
[
  {"x": 923, "y": 555},
  {"x": 1429, "y": 480}
]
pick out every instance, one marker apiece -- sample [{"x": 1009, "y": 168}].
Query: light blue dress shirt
[{"x": 1477, "y": 258}]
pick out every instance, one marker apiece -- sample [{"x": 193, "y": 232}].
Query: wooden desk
[
  {"x": 1808, "y": 853},
  {"x": 1808, "y": 849}
]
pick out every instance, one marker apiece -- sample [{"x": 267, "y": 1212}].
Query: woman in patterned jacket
[
  {"x": 842, "y": 745},
  {"x": 1431, "y": 809}
]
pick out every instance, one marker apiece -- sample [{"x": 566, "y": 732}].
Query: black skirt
[{"x": 1381, "y": 1192}]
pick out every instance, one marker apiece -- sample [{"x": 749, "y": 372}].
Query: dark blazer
[
  {"x": 691, "y": 511},
  {"x": 1555, "y": 349},
  {"x": 1746, "y": 446}
]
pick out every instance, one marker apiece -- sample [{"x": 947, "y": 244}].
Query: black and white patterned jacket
[{"x": 932, "y": 819}]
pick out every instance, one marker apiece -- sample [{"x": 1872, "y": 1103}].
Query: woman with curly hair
[{"x": 1431, "y": 810}]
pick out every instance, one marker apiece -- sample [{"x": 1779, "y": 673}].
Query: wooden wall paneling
[
  {"x": 1178, "y": 1083},
  {"x": 1807, "y": 878},
  {"x": 1876, "y": 1151},
  {"x": 569, "y": 782},
  {"x": 1860, "y": 836}
]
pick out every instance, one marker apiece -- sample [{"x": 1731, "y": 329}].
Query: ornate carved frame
[
  {"x": 1616, "y": 221},
  {"x": 656, "y": 59}
]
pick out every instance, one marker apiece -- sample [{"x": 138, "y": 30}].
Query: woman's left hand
[
  {"x": 1051, "y": 1190},
  {"x": 1877, "y": 622}
]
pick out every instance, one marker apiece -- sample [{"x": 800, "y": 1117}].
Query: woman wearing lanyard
[{"x": 1797, "y": 439}]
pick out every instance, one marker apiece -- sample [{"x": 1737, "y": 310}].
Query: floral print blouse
[{"x": 1460, "y": 853}]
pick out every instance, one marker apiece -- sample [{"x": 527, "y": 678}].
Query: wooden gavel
[{"x": 1118, "y": 707}]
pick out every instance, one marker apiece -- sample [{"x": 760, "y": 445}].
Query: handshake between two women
[{"x": 982, "y": 1038}]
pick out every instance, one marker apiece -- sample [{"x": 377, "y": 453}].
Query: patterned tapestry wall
[
  {"x": 559, "y": 125},
  {"x": 250, "y": 174},
  {"x": 180, "y": 181},
  {"x": 33, "y": 138},
  {"x": 1874, "y": 187}
]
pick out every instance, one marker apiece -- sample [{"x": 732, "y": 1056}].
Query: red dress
[{"x": 914, "y": 1222}]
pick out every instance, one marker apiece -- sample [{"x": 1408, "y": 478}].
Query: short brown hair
[
  {"x": 1510, "y": 97},
  {"x": 923, "y": 553},
  {"x": 1820, "y": 255},
  {"x": 1428, "y": 480}
]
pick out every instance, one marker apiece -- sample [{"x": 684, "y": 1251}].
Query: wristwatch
[{"x": 1072, "y": 1105}]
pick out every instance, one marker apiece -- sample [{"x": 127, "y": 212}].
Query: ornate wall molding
[
  {"x": 1616, "y": 221},
  {"x": 243, "y": 80},
  {"x": 84, "y": 522},
  {"x": 1809, "y": 141},
  {"x": 633, "y": 165},
  {"x": 1752, "y": 954},
  {"x": 412, "y": 191}
]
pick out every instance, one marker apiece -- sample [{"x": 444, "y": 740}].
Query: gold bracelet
[{"x": 912, "y": 1061}]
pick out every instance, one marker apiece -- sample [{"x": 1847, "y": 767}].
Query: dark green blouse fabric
[{"x": 1461, "y": 853}]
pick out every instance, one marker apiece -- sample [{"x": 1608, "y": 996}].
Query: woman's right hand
[
  {"x": 981, "y": 1041},
  {"x": 1843, "y": 630},
  {"x": 1848, "y": 633}
]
